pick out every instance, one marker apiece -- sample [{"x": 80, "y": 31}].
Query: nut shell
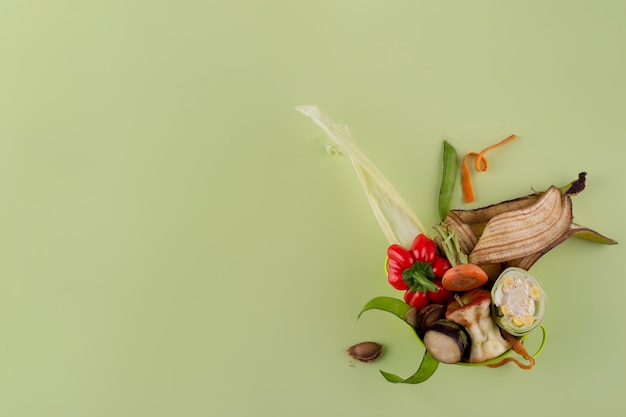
[{"x": 365, "y": 351}]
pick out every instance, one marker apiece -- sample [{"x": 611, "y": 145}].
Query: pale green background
[{"x": 174, "y": 241}]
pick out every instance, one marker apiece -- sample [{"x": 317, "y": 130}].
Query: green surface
[{"x": 176, "y": 242}]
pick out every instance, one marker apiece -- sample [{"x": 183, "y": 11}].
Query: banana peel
[{"x": 516, "y": 233}]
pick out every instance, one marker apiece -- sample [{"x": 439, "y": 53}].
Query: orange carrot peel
[
  {"x": 518, "y": 348},
  {"x": 480, "y": 164}
]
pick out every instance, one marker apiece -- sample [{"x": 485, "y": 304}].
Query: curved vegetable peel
[
  {"x": 394, "y": 216},
  {"x": 480, "y": 164},
  {"x": 590, "y": 234},
  {"x": 427, "y": 368},
  {"x": 519, "y": 348},
  {"x": 389, "y": 304},
  {"x": 429, "y": 365},
  {"x": 471, "y": 225},
  {"x": 399, "y": 308},
  {"x": 522, "y": 232}
]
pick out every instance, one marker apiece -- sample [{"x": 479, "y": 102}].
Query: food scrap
[
  {"x": 468, "y": 295},
  {"x": 462, "y": 275},
  {"x": 365, "y": 351},
  {"x": 519, "y": 301},
  {"x": 480, "y": 164},
  {"x": 418, "y": 272}
]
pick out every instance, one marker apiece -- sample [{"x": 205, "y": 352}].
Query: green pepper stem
[
  {"x": 423, "y": 281},
  {"x": 419, "y": 277}
]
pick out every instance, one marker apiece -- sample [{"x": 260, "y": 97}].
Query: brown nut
[{"x": 365, "y": 351}]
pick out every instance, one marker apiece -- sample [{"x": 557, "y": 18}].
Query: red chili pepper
[{"x": 416, "y": 299}]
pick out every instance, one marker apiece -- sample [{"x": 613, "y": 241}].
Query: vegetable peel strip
[
  {"x": 398, "y": 308},
  {"x": 429, "y": 365},
  {"x": 393, "y": 214},
  {"x": 518, "y": 347},
  {"x": 389, "y": 304},
  {"x": 480, "y": 164},
  {"x": 427, "y": 368}
]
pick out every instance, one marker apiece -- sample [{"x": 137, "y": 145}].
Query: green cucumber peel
[
  {"x": 399, "y": 308},
  {"x": 429, "y": 365},
  {"x": 389, "y": 304},
  {"x": 426, "y": 370}
]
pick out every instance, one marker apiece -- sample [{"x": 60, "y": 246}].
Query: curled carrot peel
[
  {"x": 480, "y": 164},
  {"x": 518, "y": 348}
]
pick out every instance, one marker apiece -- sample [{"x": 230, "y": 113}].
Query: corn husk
[{"x": 397, "y": 221}]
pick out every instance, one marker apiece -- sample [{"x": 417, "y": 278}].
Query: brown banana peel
[
  {"x": 520, "y": 231},
  {"x": 523, "y": 232}
]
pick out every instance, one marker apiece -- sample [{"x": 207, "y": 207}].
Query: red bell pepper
[{"x": 414, "y": 270}]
